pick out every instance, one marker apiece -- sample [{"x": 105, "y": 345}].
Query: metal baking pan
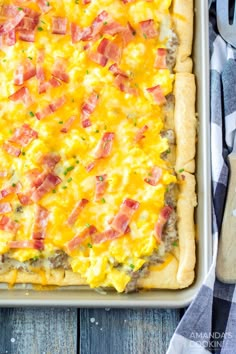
[{"x": 85, "y": 297}]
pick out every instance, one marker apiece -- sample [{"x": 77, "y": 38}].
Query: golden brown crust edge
[
  {"x": 179, "y": 272},
  {"x": 57, "y": 277},
  {"x": 185, "y": 121},
  {"x": 183, "y": 24},
  {"x": 185, "y": 129},
  {"x": 186, "y": 230}
]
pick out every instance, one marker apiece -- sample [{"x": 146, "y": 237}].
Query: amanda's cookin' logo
[{"x": 211, "y": 340}]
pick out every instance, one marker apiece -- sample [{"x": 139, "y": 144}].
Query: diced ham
[
  {"x": 76, "y": 211},
  {"x": 162, "y": 220},
  {"x": 88, "y": 108},
  {"x": 40, "y": 73},
  {"x": 41, "y": 221},
  {"x": 43, "y": 86},
  {"x": 58, "y": 103},
  {"x": 128, "y": 34},
  {"x": 154, "y": 176},
  {"x": 27, "y": 36},
  {"x": 9, "y": 38},
  {"x": 9, "y": 10},
  {"x": 59, "y": 25},
  {"x": 28, "y": 24},
  {"x": 116, "y": 71},
  {"x": 86, "y": 33},
  {"x": 127, "y": 1},
  {"x": 107, "y": 235},
  {"x": 13, "y": 10},
  {"x": 54, "y": 82},
  {"x": 91, "y": 32},
  {"x": 12, "y": 22},
  {"x": 86, "y": 122},
  {"x": 24, "y": 135},
  {"x": 86, "y": 2},
  {"x": 113, "y": 28},
  {"x": 101, "y": 186},
  {"x": 110, "y": 50},
  {"x": 67, "y": 125},
  {"x": 49, "y": 161},
  {"x": 104, "y": 236},
  {"x": 157, "y": 94},
  {"x": 160, "y": 61},
  {"x": 25, "y": 199},
  {"x": 5, "y": 208},
  {"x": 140, "y": 134},
  {"x": 87, "y": 45},
  {"x": 30, "y": 12},
  {"x": 46, "y": 111},
  {"x": 76, "y": 32},
  {"x": 98, "y": 23},
  {"x": 23, "y": 95},
  {"x": 77, "y": 240},
  {"x": 90, "y": 166},
  {"x": 9, "y": 225},
  {"x": 148, "y": 29},
  {"x": 11, "y": 149},
  {"x": 59, "y": 69},
  {"x": 51, "y": 108},
  {"x": 98, "y": 58},
  {"x": 27, "y": 244},
  {"x": 123, "y": 84},
  {"x": 49, "y": 183},
  {"x": 131, "y": 204},
  {"x": 124, "y": 216},
  {"x": 10, "y": 190},
  {"x": 29, "y": 70},
  {"x": 35, "y": 177},
  {"x": 24, "y": 71},
  {"x": 44, "y": 5},
  {"x": 104, "y": 147}
]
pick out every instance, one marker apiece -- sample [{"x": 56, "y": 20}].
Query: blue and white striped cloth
[{"x": 209, "y": 324}]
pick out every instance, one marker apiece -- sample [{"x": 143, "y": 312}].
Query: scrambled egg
[{"x": 116, "y": 112}]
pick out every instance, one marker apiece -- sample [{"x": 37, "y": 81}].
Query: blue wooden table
[{"x": 86, "y": 331}]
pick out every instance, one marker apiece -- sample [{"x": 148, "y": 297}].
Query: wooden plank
[
  {"x": 38, "y": 331},
  {"x": 126, "y": 331}
]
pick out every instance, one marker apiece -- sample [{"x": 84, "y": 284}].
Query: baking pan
[{"x": 85, "y": 297}]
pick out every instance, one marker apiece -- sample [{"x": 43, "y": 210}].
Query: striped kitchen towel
[{"x": 209, "y": 324}]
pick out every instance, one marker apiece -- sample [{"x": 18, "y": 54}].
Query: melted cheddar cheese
[{"x": 124, "y": 114}]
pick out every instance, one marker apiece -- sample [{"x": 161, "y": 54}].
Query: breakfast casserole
[{"x": 97, "y": 143}]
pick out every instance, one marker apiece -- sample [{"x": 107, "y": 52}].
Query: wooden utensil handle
[{"x": 226, "y": 261}]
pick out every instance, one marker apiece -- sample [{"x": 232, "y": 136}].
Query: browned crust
[
  {"x": 183, "y": 24},
  {"x": 179, "y": 272},
  {"x": 186, "y": 230},
  {"x": 185, "y": 121},
  {"x": 57, "y": 277}
]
